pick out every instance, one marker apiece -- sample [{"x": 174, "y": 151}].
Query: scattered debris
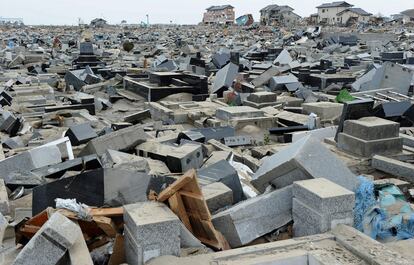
[{"x": 171, "y": 144}]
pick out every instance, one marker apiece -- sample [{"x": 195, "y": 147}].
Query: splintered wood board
[{"x": 186, "y": 200}]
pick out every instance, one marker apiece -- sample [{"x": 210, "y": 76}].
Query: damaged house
[
  {"x": 219, "y": 15},
  {"x": 353, "y": 15},
  {"x": 278, "y": 15},
  {"x": 98, "y": 23},
  {"x": 408, "y": 16},
  {"x": 328, "y": 12}
]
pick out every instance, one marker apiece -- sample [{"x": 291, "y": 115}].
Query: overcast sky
[{"x": 162, "y": 11}]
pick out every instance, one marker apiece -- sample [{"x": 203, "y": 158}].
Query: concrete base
[
  {"x": 366, "y": 148},
  {"x": 327, "y": 111},
  {"x": 343, "y": 246}
]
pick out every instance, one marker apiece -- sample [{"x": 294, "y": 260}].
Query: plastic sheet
[
  {"x": 81, "y": 209},
  {"x": 388, "y": 218}
]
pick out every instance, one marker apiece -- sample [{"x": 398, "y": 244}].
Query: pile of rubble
[{"x": 201, "y": 145}]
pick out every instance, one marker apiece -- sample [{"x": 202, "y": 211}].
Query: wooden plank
[
  {"x": 177, "y": 206},
  {"x": 118, "y": 254},
  {"x": 195, "y": 205},
  {"x": 106, "y": 224},
  {"x": 187, "y": 202},
  {"x": 108, "y": 212},
  {"x": 39, "y": 220},
  {"x": 176, "y": 186},
  {"x": 68, "y": 214},
  {"x": 29, "y": 230}
]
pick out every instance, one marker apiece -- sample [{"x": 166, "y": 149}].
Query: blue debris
[{"x": 390, "y": 217}]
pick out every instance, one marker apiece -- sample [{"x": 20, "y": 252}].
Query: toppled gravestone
[
  {"x": 121, "y": 160},
  {"x": 319, "y": 206},
  {"x": 225, "y": 78},
  {"x": 253, "y": 218},
  {"x": 77, "y": 164},
  {"x": 304, "y": 159},
  {"x": 394, "y": 167},
  {"x": 28, "y": 161},
  {"x": 121, "y": 140},
  {"x": 80, "y": 134},
  {"x": 51, "y": 243},
  {"x": 217, "y": 196},
  {"x": 151, "y": 230},
  {"x": 111, "y": 187},
  {"x": 223, "y": 172},
  {"x": 178, "y": 158},
  {"x": 386, "y": 76}
]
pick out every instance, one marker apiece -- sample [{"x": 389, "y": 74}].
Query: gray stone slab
[
  {"x": 178, "y": 158},
  {"x": 324, "y": 196},
  {"x": 320, "y": 134},
  {"x": 305, "y": 215},
  {"x": 27, "y": 161},
  {"x": 238, "y": 112},
  {"x": 223, "y": 172},
  {"x": 121, "y": 140},
  {"x": 80, "y": 134},
  {"x": 3, "y": 226},
  {"x": 368, "y": 249},
  {"x": 394, "y": 167},
  {"x": 262, "y": 97},
  {"x": 4, "y": 199},
  {"x": 255, "y": 217},
  {"x": 215, "y": 157},
  {"x": 309, "y": 156},
  {"x": 265, "y": 76},
  {"x": 151, "y": 230},
  {"x": 325, "y": 110},
  {"x": 121, "y": 160},
  {"x": 50, "y": 243},
  {"x": 283, "y": 58},
  {"x": 225, "y": 77},
  {"x": 217, "y": 196},
  {"x": 187, "y": 239},
  {"x": 289, "y": 82}
]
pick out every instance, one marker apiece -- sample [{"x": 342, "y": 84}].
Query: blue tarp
[{"x": 388, "y": 217}]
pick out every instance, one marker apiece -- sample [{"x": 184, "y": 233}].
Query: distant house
[
  {"x": 278, "y": 15},
  {"x": 397, "y": 17},
  {"x": 341, "y": 13},
  {"x": 408, "y": 16},
  {"x": 98, "y": 23},
  {"x": 219, "y": 15},
  {"x": 327, "y": 13},
  {"x": 350, "y": 15},
  {"x": 313, "y": 19}
]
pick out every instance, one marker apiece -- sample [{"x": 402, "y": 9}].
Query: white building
[
  {"x": 341, "y": 13},
  {"x": 327, "y": 13}
]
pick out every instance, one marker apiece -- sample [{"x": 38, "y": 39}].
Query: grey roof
[
  {"x": 358, "y": 11},
  {"x": 276, "y": 7},
  {"x": 216, "y": 8},
  {"x": 409, "y": 12},
  {"x": 98, "y": 20},
  {"x": 335, "y": 4}
]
